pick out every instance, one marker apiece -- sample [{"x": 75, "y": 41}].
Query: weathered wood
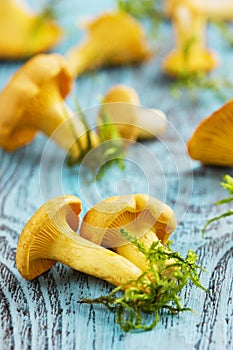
[{"x": 45, "y": 313}]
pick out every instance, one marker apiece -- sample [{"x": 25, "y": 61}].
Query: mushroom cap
[
  {"x": 25, "y": 33},
  {"x": 29, "y": 259},
  {"x": 175, "y": 64},
  {"x": 137, "y": 213},
  {"x": 25, "y": 85},
  {"x": 121, "y": 34},
  {"x": 121, "y": 104},
  {"x": 133, "y": 121},
  {"x": 212, "y": 141}
]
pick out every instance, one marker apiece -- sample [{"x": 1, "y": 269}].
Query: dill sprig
[
  {"x": 227, "y": 184},
  {"x": 142, "y": 8},
  {"x": 194, "y": 82},
  {"x": 157, "y": 288},
  {"x": 112, "y": 149},
  {"x": 83, "y": 151}
]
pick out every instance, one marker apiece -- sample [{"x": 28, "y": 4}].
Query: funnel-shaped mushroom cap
[
  {"x": 113, "y": 39},
  {"x": 137, "y": 213},
  {"x": 212, "y": 141},
  {"x": 24, "y": 33},
  {"x": 33, "y": 89},
  {"x": 133, "y": 121},
  {"x": 41, "y": 231}
]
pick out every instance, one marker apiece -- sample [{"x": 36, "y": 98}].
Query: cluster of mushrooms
[
  {"x": 50, "y": 236},
  {"x": 34, "y": 100}
]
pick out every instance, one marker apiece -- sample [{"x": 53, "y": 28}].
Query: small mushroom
[
  {"x": 114, "y": 38},
  {"x": 212, "y": 141},
  {"x": 33, "y": 100},
  {"x": 190, "y": 54},
  {"x": 132, "y": 120},
  {"x": 50, "y": 237},
  {"x": 145, "y": 217},
  {"x": 24, "y": 33}
]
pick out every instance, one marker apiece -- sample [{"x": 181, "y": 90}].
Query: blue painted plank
[{"x": 45, "y": 313}]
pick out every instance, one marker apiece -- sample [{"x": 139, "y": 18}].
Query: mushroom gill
[{"x": 212, "y": 141}]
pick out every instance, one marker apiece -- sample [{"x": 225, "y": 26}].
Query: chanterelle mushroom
[
  {"x": 49, "y": 236},
  {"x": 190, "y": 54},
  {"x": 24, "y": 33},
  {"x": 133, "y": 121},
  {"x": 114, "y": 38},
  {"x": 145, "y": 217},
  {"x": 212, "y": 141},
  {"x": 33, "y": 100}
]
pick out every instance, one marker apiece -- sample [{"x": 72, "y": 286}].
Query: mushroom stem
[
  {"x": 190, "y": 28},
  {"x": 83, "y": 58},
  {"x": 131, "y": 252},
  {"x": 74, "y": 251},
  {"x": 49, "y": 237},
  {"x": 58, "y": 121}
]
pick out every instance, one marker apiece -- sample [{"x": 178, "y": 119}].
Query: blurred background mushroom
[
  {"x": 212, "y": 141},
  {"x": 113, "y": 38},
  {"x": 190, "y": 54},
  {"x": 33, "y": 100},
  {"x": 24, "y": 32},
  {"x": 122, "y": 103}
]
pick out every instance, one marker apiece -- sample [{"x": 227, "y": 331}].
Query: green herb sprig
[
  {"x": 114, "y": 152},
  {"x": 49, "y": 12},
  {"x": 157, "y": 288},
  {"x": 194, "y": 82},
  {"x": 227, "y": 184},
  {"x": 71, "y": 160},
  {"x": 112, "y": 145},
  {"x": 149, "y": 10}
]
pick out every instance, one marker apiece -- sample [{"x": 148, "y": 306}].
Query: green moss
[{"x": 168, "y": 273}]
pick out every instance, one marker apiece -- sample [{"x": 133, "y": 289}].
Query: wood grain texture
[{"x": 45, "y": 313}]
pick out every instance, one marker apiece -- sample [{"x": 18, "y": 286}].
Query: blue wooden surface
[{"x": 45, "y": 313}]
